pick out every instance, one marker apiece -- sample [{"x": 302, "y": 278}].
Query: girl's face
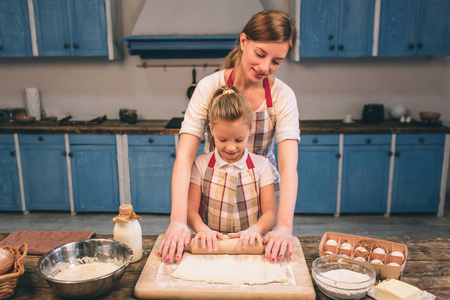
[
  {"x": 260, "y": 60},
  {"x": 230, "y": 138}
]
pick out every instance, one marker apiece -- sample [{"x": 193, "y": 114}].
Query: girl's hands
[
  {"x": 176, "y": 238},
  {"x": 277, "y": 243},
  {"x": 246, "y": 237},
  {"x": 208, "y": 239}
]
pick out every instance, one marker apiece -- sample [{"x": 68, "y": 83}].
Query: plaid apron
[
  {"x": 229, "y": 203},
  {"x": 261, "y": 140}
]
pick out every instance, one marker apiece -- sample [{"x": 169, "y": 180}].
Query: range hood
[{"x": 189, "y": 29}]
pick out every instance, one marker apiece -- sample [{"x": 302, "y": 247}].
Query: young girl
[{"x": 231, "y": 186}]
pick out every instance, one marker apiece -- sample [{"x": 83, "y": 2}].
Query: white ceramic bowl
[{"x": 342, "y": 288}]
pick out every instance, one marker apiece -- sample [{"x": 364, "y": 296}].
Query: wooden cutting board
[{"x": 155, "y": 282}]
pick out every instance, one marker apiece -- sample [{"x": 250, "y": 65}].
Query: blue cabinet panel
[
  {"x": 71, "y": 28},
  {"x": 151, "y": 175},
  {"x": 336, "y": 28},
  {"x": 95, "y": 178},
  {"x": 44, "y": 172},
  {"x": 417, "y": 173},
  {"x": 9, "y": 178},
  {"x": 318, "y": 161},
  {"x": 365, "y": 174},
  {"x": 88, "y": 27},
  {"x": 414, "y": 27},
  {"x": 151, "y": 139},
  {"x": 15, "y": 38}
]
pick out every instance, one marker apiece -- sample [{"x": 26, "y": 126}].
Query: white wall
[{"x": 325, "y": 88}]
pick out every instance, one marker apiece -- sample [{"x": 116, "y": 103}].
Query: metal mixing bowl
[
  {"x": 102, "y": 250},
  {"x": 342, "y": 288}
]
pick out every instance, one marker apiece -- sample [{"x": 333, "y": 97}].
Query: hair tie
[{"x": 228, "y": 91}]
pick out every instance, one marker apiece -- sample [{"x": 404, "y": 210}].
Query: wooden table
[{"x": 428, "y": 267}]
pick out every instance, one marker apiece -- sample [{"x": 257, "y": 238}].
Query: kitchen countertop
[
  {"x": 157, "y": 127},
  {"x": 427, "y": 267}
]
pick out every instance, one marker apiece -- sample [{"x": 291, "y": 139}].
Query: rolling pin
[{"x": 226, "y": 246}]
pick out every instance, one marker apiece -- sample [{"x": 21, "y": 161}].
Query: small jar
[
  {"x": 122, "y": 114},
  {"x": 131, "y": 116},
  {"x": 128, "y": 230}
]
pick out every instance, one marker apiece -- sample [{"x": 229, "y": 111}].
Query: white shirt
[
  {"x": 283, "y": 100},
  {"x": 263, "y": 171}
]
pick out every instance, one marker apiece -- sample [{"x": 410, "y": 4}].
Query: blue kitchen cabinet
[
  {"x": 9, "y": 178},
  {"x": 336, "y": 28},
  {"x": 414, "y": 27},
  {"x": 318, "y": 162},
  {"x": 365, "y": 173},
  {"x": 417, "y": 172},
  {"x": 44, "y": 171},
  {"x": 15, "y": 37},
  {"x": 151, "y": 159},
  {"x": 71, "y": 27},
  {"x": 94, "y": 173}
]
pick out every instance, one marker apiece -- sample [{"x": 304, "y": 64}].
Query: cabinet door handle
[
  {"x": 397, "y": 154},
  {"x": 410, "y": 46},
  {"x": 76, "y": 46},
  {"x": 421, "y": 140},
  {"x": 151, "y": 140},
  {"x": 12, "y": 153},
  {"x": 390, "y": 153},
  {"x": 331, "y": 47},
  {"x": 341, "y": 47},
  {"x": 40, "y": 139},
  {"x": 64, "y": 153},
  {"x": 70, "y": 154},
  {"x": 368, "y": 141},
  {"x": 66, "y": 46},
  {"x": 419, "y": 45},
  {"x": 338, "y": 155},
  {"x": 315, "y": 140},
  {"x": 172, "y": 154}
]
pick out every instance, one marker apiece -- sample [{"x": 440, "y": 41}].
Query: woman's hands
[
  {"x": 278, "y": 243},
  {"x": 176, "y": 238},
  {"x": 208, "y": 239}
]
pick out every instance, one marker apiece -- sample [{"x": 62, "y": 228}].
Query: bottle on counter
[{"x": 128, "y": 230}]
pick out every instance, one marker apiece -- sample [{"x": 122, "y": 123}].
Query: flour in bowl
[
  {"x": 346, "y": 276},
  {"x": 86, "y": 271}
]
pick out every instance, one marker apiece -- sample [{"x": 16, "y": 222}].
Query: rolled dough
[
  {"x": 227, "y": 246},
  {"x": 229, "y": 269}
]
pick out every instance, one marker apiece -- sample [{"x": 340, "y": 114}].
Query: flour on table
[{"x": 229, "y": 269}]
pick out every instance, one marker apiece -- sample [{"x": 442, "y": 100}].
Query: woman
[{"x": 260, "y": 49}]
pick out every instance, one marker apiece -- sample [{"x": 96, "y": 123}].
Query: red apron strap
[
  {"x": 250, "y": 164},
  {"x": 230, "y": 78},
  {"x": 268, "y": 94},
  {"x": 212, "y": 161}
]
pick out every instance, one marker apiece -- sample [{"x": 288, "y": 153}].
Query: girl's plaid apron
[
  {"x": 229, "y": 203},
  {"x": 263, "y": 130}
]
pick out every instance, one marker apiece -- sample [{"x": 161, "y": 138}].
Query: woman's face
[
  {"x": 261, "y": 59},
  {"x": 230, "y": 138}
]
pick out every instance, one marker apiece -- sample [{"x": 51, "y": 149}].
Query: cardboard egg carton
[{"x": 347, "y": 244}]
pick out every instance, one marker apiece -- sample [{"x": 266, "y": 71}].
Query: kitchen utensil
[
  {"x": 155, "y": 282},
  {"x": 348, "y": 119},
  {"x": 122, "y": 113},
  {"x": 398, "y": 111},
  {"x": 101, "y": 250},
  {"x": 342, "y": 288},
  {"x": 191, "y": 89},
  {"x": 23, "y": 118},
  {"x": 33, "y": 100},
  {"x": 428, "y": 116},
  {"x": 9, "y": 114},
  {"x": 373, "y": 114}
]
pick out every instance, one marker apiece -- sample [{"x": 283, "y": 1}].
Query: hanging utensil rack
[{"x": 204, "y": 65}]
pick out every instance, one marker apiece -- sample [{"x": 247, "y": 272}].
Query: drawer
[
  {"x": 319, "y": 140},
  {"x": 92, "y": 139},
  {"x": 6, "y": 139},
  {"x": 141, "y": 140},
  {"x": 367, "y": 139},
  {"x": 46, "y": 139},
  {"x": 420, "y": 139}
]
